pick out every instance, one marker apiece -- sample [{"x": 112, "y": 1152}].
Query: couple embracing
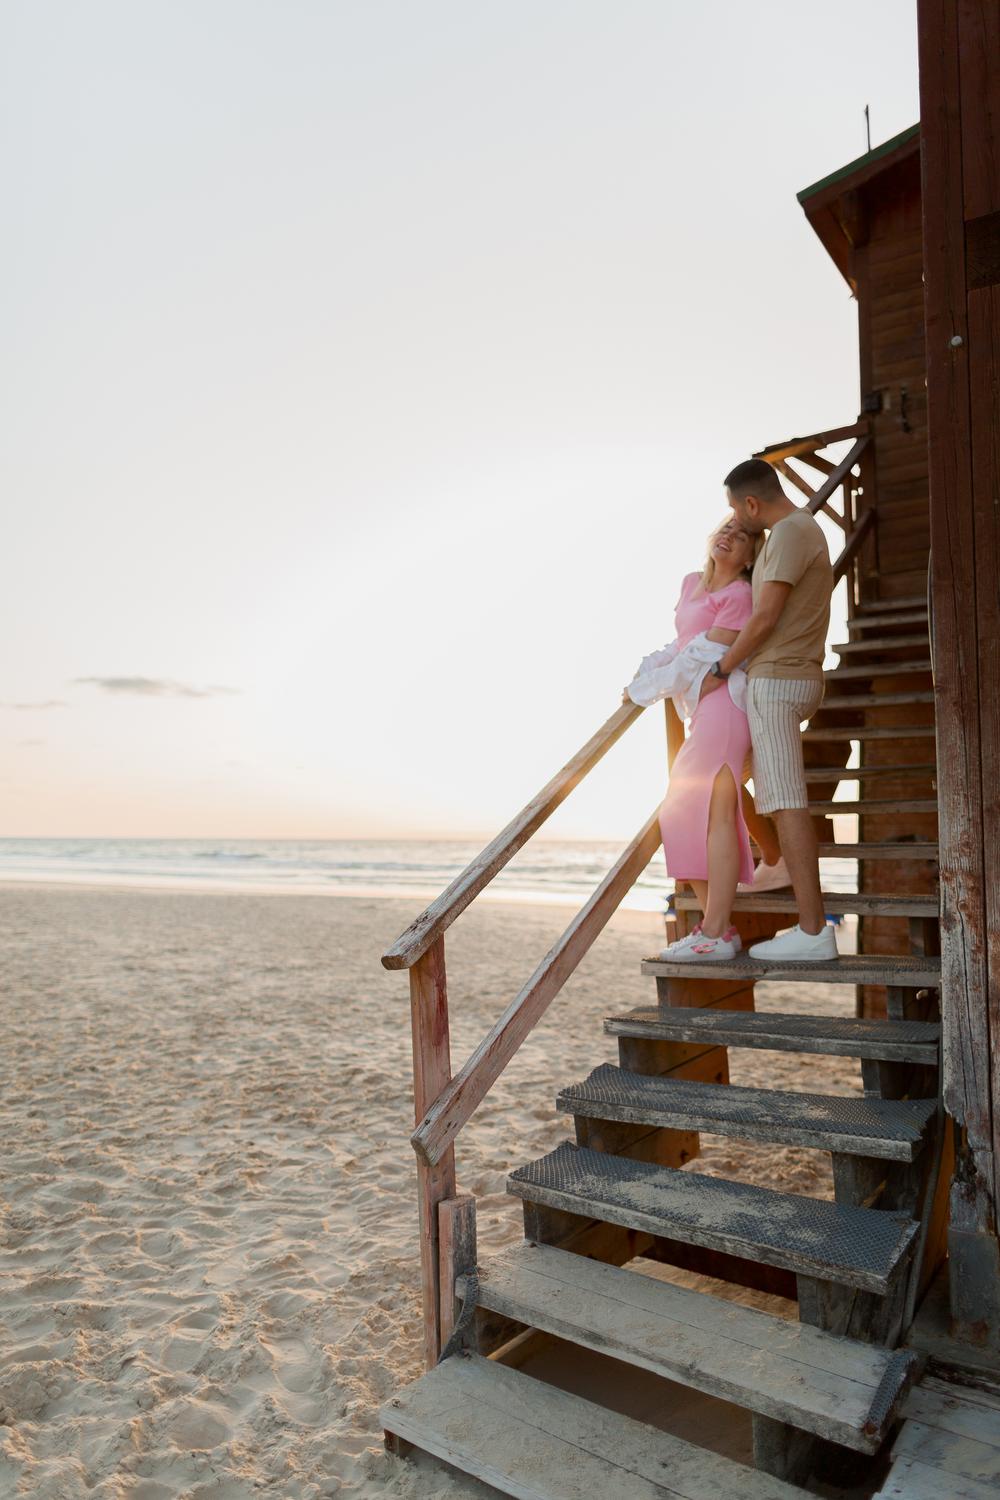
[{"x": 746, "y": 669}]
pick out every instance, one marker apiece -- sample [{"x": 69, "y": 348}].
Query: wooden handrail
[
  {"x": 470, "y": 1085},
  {"x": 796, "y": 446},
  {"x": 833, "y": 481},
  {"x": 438, "y": 917},
  {"x": 853, "y": 542}
]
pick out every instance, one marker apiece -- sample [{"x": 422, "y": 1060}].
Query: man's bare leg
[
  {"x": 760, "y": 829},
  {"x": 800, "y": 849}
]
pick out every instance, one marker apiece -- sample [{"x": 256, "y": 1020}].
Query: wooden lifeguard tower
[{"x": 890, "y": 1378}]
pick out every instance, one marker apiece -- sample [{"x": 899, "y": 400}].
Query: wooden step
[
  {"x": 860, "y": 670},
  {"x": 870, "y": 732},
  {"x": 533, "y": 1441},
  {"x": 922, "y": 850},
  {"x": 835, "y": 903},
  {"x": 913, "y": 601},
  {"x": 831, "y": 1036},
  {"x": 916, "y": 616},
  {"x": 789, "y": 1371},
  {"x": 876, "y": 700},
  {"x": 874, "y": 807},
  {"x": 883, "y": 643},
  {"x": 902, "y": 971},
  {"x": 890, "y": 1129},
  {"x": 859, "y": 1247},
  {"x": 926, "y": 769}
]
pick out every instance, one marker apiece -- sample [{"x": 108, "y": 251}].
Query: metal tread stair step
[
  {"x": 918, "y": 849},
  {"x": 878, "y": 669},
  {"x": 872, "y": 620},
  {"x": 874, "y": 806},
  {"x": 835, "y": 903},
  {"x": 831, "y": 1036},
  {"x": 925, "y": 769},
  {"x": 870, "y": 732},
  {"x": 904, "y": 971},
  {"x": 883, "y": 643},
  {"x": 533, "y": 1441},
  {"x": 858, "y": 1247},
  {"x": 912, "y": 601},
  {"x": 876, "y": 700},
  {"x": 891, "y": 1129},
  {"x": 790, "y": 1371}
]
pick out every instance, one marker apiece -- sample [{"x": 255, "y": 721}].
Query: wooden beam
[
  {"x": 438, "y": 917},
  {"x": 852, "y": 547},
  {"x": 794, "y": 446},
  {"x": 431, "y": 1071},
  {"x": 458, "y": 1100},
  {"x": 833, "y": 481},
  {"x": 784, "y": 467}
]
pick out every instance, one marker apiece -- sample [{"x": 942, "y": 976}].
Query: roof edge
[{"x": 902, "y": 139}]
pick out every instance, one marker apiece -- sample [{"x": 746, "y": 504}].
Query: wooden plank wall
[
  {"x": 888, "y": 270},
  {"x": 959, "y": 43}
]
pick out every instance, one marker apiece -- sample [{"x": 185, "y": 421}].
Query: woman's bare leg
[
  {"x": 700, "y": 888},
  {"x": 723, "y": 855}
]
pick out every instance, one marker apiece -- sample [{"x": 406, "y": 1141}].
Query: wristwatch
[{"x": 717, "y": 671}]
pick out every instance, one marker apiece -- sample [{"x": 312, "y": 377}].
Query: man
[{"x": 783, "y": 644}]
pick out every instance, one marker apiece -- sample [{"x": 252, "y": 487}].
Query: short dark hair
[{"x": 754, "y": 476}]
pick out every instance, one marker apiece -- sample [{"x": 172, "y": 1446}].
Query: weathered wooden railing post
[{"x": 431, "y": 1074}]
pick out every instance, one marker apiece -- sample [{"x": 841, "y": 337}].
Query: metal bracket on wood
[{"x": 470, "y": 1301}]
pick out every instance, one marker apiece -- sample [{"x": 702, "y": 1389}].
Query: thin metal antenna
[{"x": 868, "y": 127}]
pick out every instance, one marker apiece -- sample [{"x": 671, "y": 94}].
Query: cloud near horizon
[
  {"x": 154, "y": 687},
  {"x": 39, "y": 704}
]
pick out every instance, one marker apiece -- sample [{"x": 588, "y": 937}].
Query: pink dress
[{"x": 718, "y": 735}]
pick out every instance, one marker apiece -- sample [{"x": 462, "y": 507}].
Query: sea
[{"x": 544, "y": 871}]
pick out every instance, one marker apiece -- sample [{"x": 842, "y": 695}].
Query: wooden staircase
[{"x": 825, "y": 1392}]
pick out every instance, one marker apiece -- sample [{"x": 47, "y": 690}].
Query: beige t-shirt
[{"x": 795, "y": 552}]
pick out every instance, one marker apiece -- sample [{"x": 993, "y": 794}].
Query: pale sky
[{"x": 370, "y": 371}]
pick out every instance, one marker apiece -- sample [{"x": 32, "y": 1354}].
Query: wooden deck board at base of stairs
[
  {"x": 858, "y": 1247},
  {"x": 830, "y": 1036},
  {"x": 890, "y": 1129},
  {"x": 948, "y": 1447},
  {"x": 789, "y": 1371},
  {"x": 903, "y": 971},
  {"x": 835, "y": 903},
  {"x": 535, "y": 1442}
]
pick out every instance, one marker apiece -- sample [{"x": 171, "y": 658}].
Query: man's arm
[{"x": 773, "y": 598}]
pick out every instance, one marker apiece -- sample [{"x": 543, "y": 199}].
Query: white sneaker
[
  {"x": 706, "y": 950},
  {"x": 675, "y": 947},
  {"x": 769, "y": 877},
  {"x": 798, "y": 947},
  {"x": 731, "y": 936}
]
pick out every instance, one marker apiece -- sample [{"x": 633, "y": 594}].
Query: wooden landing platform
[{"x": 948, "y": 1447}]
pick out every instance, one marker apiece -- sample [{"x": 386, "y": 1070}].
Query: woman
[{"x": 704, "y": 834}]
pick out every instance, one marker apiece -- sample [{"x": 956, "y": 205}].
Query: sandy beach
[{"x": 208, "y": 1260}]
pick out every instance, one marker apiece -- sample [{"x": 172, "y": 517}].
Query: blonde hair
[{"x": 708, "y": 571}]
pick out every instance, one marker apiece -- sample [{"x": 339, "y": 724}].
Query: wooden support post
[
  {"x": 431, "y": 1073},
  {"x": 456, "y": 1254},
  {"x": 959, "y": 48}
]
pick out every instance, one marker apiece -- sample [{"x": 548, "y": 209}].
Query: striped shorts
[{"x": 776, "y": 707}]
